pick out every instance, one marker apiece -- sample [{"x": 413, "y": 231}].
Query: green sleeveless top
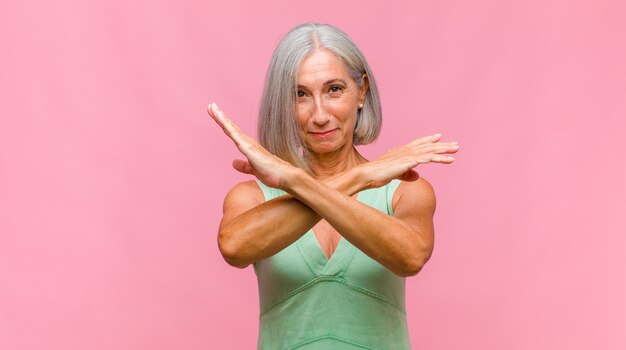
[{"x": 348, "y": 302}]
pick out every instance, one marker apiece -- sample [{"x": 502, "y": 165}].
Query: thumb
[{"x": 243, "y": 166}]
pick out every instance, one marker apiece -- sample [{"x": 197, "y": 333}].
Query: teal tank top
[{"x": 348, "y": 302}]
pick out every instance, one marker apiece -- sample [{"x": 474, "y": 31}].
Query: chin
[{"x": 324, "y": 147}]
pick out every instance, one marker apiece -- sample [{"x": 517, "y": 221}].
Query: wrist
[
  {"x": 294, "y": 176},
  {"x": 357, "y": 179},
  {"x": 360, "y": 178}
]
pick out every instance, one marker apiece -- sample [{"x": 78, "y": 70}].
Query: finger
[
  {"x": 211, "y": 110},
  {"x": 231, "y": 129},
  {"x": 226, "y": 124},
  {"x": 435, "y": 148},
  {"x": 440, "y": 158},
  {"x": 217, "y": 118},
  {"x": 432, "y": 158},
  {"x": 426, "y": 139},
  {"x": 243, "y": 166},
  {"x": 444, "y": 147},
  {"x": 218, "y": 115},
  {"x": 453, "y": 150}
]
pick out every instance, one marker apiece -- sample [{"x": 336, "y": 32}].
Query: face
[{"x": 327, "y": 102}]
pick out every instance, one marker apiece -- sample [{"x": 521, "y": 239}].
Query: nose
[{"x": 320, "y": 114}]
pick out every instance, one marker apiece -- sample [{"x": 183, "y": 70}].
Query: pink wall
[{"x": 112, "y": 176}]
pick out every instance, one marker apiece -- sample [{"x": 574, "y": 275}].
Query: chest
[{"x": 327, "y": 237}]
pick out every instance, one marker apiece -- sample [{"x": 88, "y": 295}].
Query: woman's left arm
[{"x": 402, "y": 242}]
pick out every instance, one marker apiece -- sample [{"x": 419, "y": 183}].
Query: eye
[
  {"x": 336, "y": 88},
  {"x": 300, "y": 93}
]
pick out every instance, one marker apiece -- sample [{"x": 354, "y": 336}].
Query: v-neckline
[
  {"x": 341, "y": 239},
  {"x": 317, "y": 243},
  {"x": 316, "y": 259}
]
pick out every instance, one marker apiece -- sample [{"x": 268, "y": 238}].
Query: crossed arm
[{"x": 252, "y": 229}]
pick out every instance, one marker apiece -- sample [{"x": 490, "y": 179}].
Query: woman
[{"x": 332, "y": 236}]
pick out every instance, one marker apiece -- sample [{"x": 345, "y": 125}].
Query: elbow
[
  {"x": 414, "y": 264},
  {"x": 411, "y": 268},
  {"x": 230, "y": 251}
]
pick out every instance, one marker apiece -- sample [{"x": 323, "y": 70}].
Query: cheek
[
  {"x": 344, "y": 109},
  {"x": 301, "y": 114}
]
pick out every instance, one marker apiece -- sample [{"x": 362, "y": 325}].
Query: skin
[{"x": 327, "y": 104}]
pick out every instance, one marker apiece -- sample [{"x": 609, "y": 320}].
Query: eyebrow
[{"x": 328, "y": 82}]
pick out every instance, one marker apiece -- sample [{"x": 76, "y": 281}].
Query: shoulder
[
  {"x": 246, "y": 194},
  {"x": 414, "y": 196}
]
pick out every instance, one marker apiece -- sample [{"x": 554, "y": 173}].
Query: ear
[{"x": 363, "y": 89}]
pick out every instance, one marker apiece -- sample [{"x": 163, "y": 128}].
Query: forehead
[{"x": 321, "y": 66}]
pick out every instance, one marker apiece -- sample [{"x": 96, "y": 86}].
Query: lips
[{"x": 323, "y": 134}]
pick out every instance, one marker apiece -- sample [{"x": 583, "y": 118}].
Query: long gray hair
[{"x": 278, "y": 128}]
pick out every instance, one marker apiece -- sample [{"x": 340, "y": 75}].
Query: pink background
[{"x": 112, "y": 175}]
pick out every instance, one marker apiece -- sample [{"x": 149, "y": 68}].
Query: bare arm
[
  {"x": 402, "y": 243},
  {"x": 252, "y": 230}
]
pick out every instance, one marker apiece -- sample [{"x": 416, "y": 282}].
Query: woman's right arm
[{"x": 252, "y": 229}]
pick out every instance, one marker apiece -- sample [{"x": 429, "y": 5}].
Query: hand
[
  {"x": 265, "y": 166},
  {"x": 398, "y": 163}
]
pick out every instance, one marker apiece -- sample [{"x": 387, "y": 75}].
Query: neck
[{"x": 329, "y": 164}]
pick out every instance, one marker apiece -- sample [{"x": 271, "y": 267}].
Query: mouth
[{"x": 323, "y": 134}]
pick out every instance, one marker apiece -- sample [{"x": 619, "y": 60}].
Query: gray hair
[{"x": 278, "y": 128}]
